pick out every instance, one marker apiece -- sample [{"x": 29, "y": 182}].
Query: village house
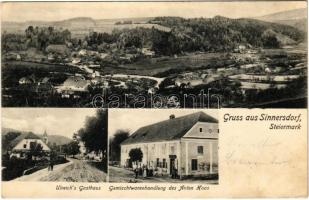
[
  {"x": 148, "y": 52},
  {"x": 27, "y": 141},
  {"x": 76, "y": 60},
  {"x": 82, "y": 52},
  {"x": 73, "y": 85},
  {"x": 187, "y": 144},
  {"x": 25, "y": 80},
  {"x": 12, "y": 56}
]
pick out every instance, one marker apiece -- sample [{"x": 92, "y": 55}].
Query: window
[
  {"x": 25, "y": 146},
  {"x": 158, "y": 162},
  {"x": 172, "y": 149},
  {"x": 33, "y": 145},
  {"x": 210, "y": 130},
  {"x": 194, "y": 164},
  {"x": 164, "y": 163},
  {"x": 164, "y": 149},
  {"x": 200, "y": 150},
  {"x": 201, "y": 130}
]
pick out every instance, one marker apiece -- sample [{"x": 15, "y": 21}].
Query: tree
[
  {"x": 94, "y": 133},
  {"x": 73, "y": 148},
  {"x": 8, "y": 138},
  {"x": 36, "y": 150},
  {"x": 119, "y": 137},
  {"x": 136, "y": 155}
]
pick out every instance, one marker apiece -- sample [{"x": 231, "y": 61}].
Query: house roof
[
  {"x": 75, "y": 81},
  {"x": 170, "y": 129},
  {"x": 29, "y": 135}
]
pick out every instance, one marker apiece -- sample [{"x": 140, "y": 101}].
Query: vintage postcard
[{"x": 154, "y": 99}]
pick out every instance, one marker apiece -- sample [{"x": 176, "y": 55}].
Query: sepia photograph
[
  {"x": 163, "y": 145},
  {"x": 55, "y": 145},
  {"x": 154, "y": 54}
]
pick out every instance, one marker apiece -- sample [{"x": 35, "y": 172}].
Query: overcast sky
[
  {"x": 56, "y": 121},
  {"x": 133, "y": 119},
  {"x": 53, "y": 11}
]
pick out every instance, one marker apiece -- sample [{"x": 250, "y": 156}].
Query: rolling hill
[
  {"x": 57, "y": 139},
  {"x": 81, "y": 26},
  {"x": 221, "y": 33},
  {"x": 296, "y": 18}
]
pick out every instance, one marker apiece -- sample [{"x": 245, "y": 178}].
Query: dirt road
[{"x": 73, "y": 171}]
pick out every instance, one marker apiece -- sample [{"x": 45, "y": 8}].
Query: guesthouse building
[{"x": 26, "y": 142}]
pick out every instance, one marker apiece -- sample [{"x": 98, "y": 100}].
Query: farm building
[
  {"x": 187, "y": 145},
  {"x": 74, "y": 84},
  {"x": 25, "y": 80},
  {"x": 27, "y": 141},
  {"x": 58, "y": 49}
]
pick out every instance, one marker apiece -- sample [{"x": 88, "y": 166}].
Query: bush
[{"x": 15, "y": 167}]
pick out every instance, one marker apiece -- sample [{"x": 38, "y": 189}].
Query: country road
[{"x": 73, "y": 171}]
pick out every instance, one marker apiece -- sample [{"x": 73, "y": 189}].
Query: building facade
[
  {"x": 27, "y": 141},
  {"x": 188, "y": 144}
]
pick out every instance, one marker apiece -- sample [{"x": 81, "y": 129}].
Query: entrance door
[{"x": 172, "y": 165}]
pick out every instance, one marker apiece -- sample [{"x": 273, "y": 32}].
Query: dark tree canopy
[
  {"x": 36, "y": 149},
  {"x": 73, "y": 148},
  {"x": 136, "y": 155},
  {"x": 8, "y": 138},
  {"x": 115, "y": 142},
  {"x": 94, "y": 133}
]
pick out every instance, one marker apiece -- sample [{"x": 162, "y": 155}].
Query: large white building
[
  {"x": 27, "y": 141},
  {"x": 188, "y": 144}
]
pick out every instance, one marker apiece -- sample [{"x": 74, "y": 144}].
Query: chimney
[{"x": 172, "y": 116}]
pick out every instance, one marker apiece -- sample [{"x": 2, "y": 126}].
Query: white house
[
  {"x": 25, "y": 80},
  {"x": 148, "y": 52},
  {"x": 26, "y": 141},
  {"x": 74, "y": 84},
  {"x": 188, "y": 144}
]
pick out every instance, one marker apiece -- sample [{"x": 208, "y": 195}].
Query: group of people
[
  {"x": 143, "y": 171},
  {"x": 149, "y": 171}
]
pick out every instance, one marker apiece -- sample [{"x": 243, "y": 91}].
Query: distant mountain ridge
[
  {"x": 296, "y": 18},
  {"x": 57, "y": 139},
  {"x": 82, "y": 25},
  {"x": 285, "y": 15}
]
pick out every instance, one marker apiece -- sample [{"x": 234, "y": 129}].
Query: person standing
[
  {"x": 51, "y": 164},
  {"x": 135, "y": 169},
  {"x": 144, "y": 172}
]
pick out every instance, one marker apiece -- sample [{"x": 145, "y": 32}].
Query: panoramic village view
[
  {"x": 64, "y": 145},
  {"x": 163, "y": 145},
  {"x": 238, "y": 62}
]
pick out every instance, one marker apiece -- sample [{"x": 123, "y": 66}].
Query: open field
[
  {"x": 23, "y": 65},
  {"x": 157, "y": 66}
]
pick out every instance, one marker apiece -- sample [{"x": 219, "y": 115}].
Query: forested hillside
[
  {"x": 220, "y": 33},
  {"x": 185, "y": 35}
]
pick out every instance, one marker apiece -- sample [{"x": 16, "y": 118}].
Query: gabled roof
[
  {"x": 29, "y": 135},
  {"x": 170, "y": 129},
  {"x": 75, "y": 81}
]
